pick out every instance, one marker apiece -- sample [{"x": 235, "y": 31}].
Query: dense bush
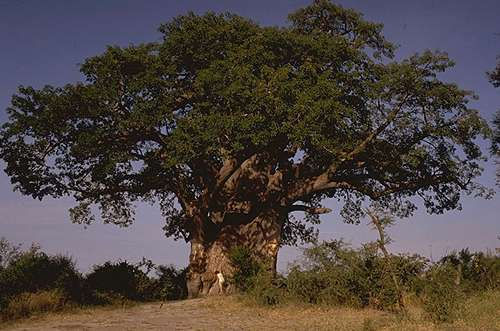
[
  {"x": 171, "y": 283},
  {"x": 268, "y": 289},
  {"x": 112, "y": 282},
  {"x": 254, "y": 278},
  {"x": 32, "y": 281},
  {"x": 35, "y": 271},
  {"x": 8, "y": 252},
  {"x": 334, "y": 273},
  {"x": 448, "y": 282},
  {"x": 246, "y": 268},
  {"x": 474, "y": 271},
  {"x": 330, "y": 273},
  {"x": 441, "y": 297},
  {"x": 119, "y": 280}
]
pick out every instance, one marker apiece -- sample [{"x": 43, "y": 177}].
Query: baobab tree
[{"x": 231, "y": 126}]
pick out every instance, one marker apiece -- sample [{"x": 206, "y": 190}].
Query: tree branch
[
  {"x": 322, "y": 182},
  {"x": 307, "y": 209}
]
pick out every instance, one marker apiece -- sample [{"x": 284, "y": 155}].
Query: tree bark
[{"x": 208, "y": 256}]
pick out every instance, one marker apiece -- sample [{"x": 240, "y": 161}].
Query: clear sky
[{"x": 42, "y": 42}]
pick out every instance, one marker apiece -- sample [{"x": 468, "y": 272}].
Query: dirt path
[
  {"x": 197, "y": 314},
  {"x": 228, "y": 313}
]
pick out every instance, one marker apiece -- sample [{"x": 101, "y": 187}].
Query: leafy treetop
[{"x": 223, "y": 113}]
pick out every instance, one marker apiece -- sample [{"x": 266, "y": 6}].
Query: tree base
[
  {"x": 260, "y": 236},
  {"x": 205, "y": 263}
]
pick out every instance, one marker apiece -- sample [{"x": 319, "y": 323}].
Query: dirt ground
[
  {"x": 198, "y": 314},
  {"x": 229, "y": 313}
]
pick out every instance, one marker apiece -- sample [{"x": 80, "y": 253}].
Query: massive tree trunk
[{"x": 210, "y": 254}]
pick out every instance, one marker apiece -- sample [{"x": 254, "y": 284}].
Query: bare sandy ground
[{"x": 198, "y": 314}]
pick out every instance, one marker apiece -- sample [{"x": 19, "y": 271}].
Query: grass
[
  {"x": 482, "y": 312},
  {"x": 64, "y": 313},
  {"x": 27, "y": 304}
]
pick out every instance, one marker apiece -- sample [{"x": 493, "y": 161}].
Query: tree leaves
[{"x": 224, "y": 112}]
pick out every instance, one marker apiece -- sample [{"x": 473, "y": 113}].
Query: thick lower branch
[{"x": 310, "y": 210}]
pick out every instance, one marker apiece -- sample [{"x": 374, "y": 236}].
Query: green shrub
[
  {"x": 246, "y": 267},
  {"x": 8, "y": 253},
  {"x": 171, "y": 283},
  {"x": 33, "y": 281},
  {"x": 35, "y": 271},
  {"x": 474, "y": 271},
  {"x": 333, "y": 273},
  {"x": 118, "y": 280},
  {"x": 267, "y": 289},
  {"x": 252, "y": 278},
  {"x": 455, "y": 276},
  {"x": 442, "y": 298},
  {"x": 307, "y": 285}
]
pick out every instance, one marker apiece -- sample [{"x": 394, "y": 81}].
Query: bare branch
[
  {"x": 310, "y": 210},
  {"x": 227, "y": 169},
  {"x": 232, "y": 182}
]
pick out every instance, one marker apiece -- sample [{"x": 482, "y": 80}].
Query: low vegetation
[
  {"x": 330, "y": 276},
  {"x": 32, "y": 282},
  {"x": 335, "y": 274}
]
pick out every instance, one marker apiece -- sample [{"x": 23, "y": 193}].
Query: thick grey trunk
[{"x": 261, "y": 236}]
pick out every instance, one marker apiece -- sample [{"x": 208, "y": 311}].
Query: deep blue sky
[{"x": 42, "y": 42}]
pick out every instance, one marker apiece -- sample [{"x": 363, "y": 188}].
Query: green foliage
[
  {"x": 246, "y": 267},
  {"x": 8, "y": 252},
  {"x": 253, "y": 278},
  {"x": 442, "y": 298},
  {"x": 32, "y": 281},
  {"x": 120, "y": 279},
  {"x": 320, "y": 98},
  {"x": 35, "y": 271},
  {"x": 474, "y": 271},
  {"x": 495, "y": 75},
  {"x": 333, "y": 273},
  {"x": 267, "y": 289},
  {"x": 171, "y": 283},
  {"x": 495, "y": 80},
  {"x": 496, "y": 138}
]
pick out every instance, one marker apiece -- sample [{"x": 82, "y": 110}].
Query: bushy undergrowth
[
  {"x": 336, "y": 274},
  {"x": 32, "y": 282},
  {"x": 441, "y": 297},
  {"x": 26, "y": 303},
  {"x": 474, "y": 271},
  {"x": 170, "y": 283},
  {"x": 332, "y": 273},
  {"x": 446, "y": 284},
  {"x": 34, "y": 271},
  {"x": 246, "y": 268},
  {"x": 120, "y": 280}
]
